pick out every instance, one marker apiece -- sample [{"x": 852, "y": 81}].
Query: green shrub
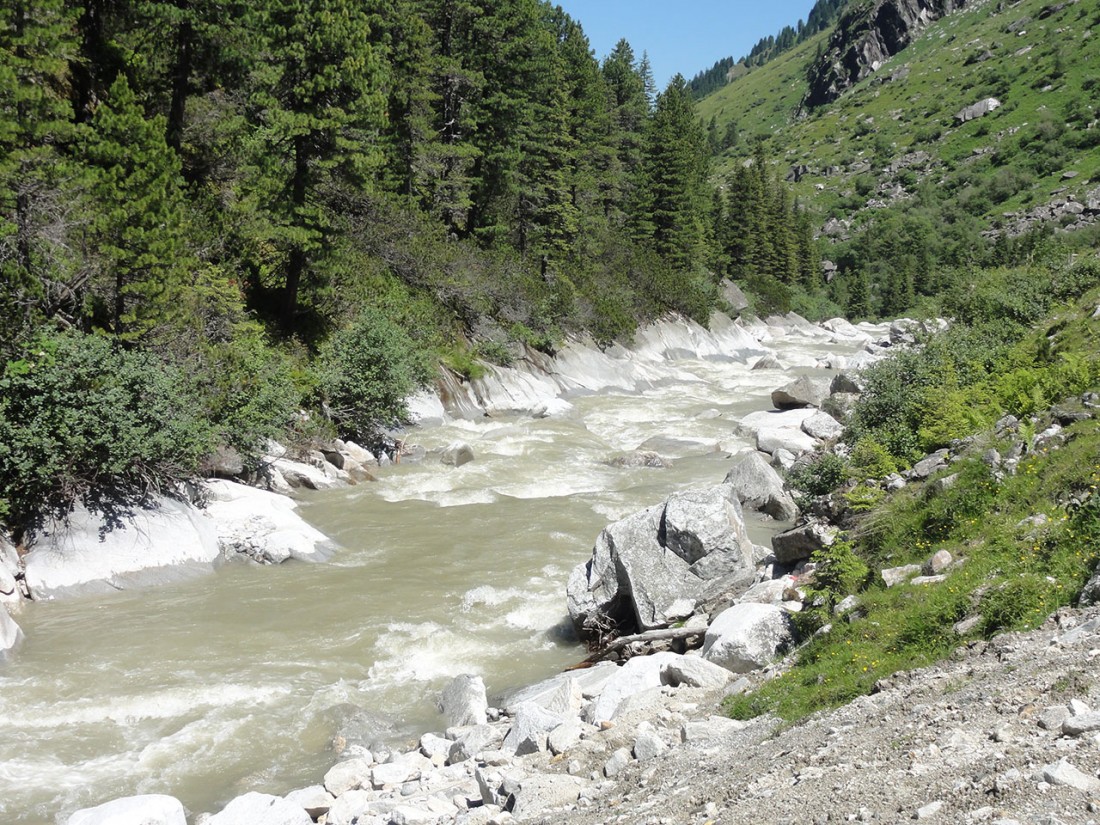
[
  {"x": 821, "y": 476},
  {"x": 869, "y": 459},
  {"x": 83, "y": 418},
  {"x": 366, "y": 372},
  {"x": 839, "y": 572},
  {"x": 249, "y": 389}
]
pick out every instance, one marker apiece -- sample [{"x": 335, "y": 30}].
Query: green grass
[
  {"x": 879, "y": 119},
  {"x": 1011, "y": 574}
]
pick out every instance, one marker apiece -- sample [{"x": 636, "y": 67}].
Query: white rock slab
[
  {"x": 149, "y": 809},
  {"x": 265, "y": 526},
  {"x": 170, "y": 542},
  {"x": 260, "y": 809}
]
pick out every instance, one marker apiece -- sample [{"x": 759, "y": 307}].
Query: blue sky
[{"x": 684, "y": 36}]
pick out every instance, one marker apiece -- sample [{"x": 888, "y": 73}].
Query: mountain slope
[{"x": 897, "y": 127}]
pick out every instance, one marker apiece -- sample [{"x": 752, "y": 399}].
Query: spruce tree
[
  {"x": 628, "y": 117},
  {"x": 676, "y": 165},
  {"x": 137, "y": 229},
  {"x": 317, "y": 108},
  {"x": 37, "y": 43}
]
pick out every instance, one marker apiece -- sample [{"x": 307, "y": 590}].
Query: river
[{"x": 241, "y": 680}]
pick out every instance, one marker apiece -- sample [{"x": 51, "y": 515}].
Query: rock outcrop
[
  {"x": 167, "y": 541},
  {"x": 865, "y": 38}
]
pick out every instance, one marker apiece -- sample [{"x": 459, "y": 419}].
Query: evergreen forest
[{"x": 226, "y": 222}]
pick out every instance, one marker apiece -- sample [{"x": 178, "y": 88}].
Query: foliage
[
  {"x": 365, "y": 374},
  {"x": 820, "y": 476},
  {"x": 838, "y": 572},
  {"x": 80, "y": 417}
]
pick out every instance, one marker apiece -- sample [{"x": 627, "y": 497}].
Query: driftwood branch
[{"x": 666, "y": 634}]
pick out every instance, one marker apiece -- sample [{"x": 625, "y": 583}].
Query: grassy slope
[
  {"x": 1011, "y": 573},
  {"x": 880, "y": 119}
]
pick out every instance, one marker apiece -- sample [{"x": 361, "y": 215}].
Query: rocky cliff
[{"x": 867, "y": 35}]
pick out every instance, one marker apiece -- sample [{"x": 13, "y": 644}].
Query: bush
[
  {"x": 821, "y": 476},
  {"x": 82, "y": 418},
  {"x": 249, "y": 390},
  {"x": 366, "y": 372},
  {"x": 839, "y": 572}
]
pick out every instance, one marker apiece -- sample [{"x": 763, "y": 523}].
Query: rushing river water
[{"x": 241, "y": 680}]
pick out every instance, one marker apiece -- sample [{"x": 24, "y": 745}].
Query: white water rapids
[{"x": 241, "y": 680}]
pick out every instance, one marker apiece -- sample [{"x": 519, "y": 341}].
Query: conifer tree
[
  {"x": 445, "y": 167},
  {"x": 137, "y": 229},
  {"x": 628, "y": 116},
  {"x": 37, "y": 42},
  {"x": 676, "y": 166},
  {"x": 317, "y": 108}
]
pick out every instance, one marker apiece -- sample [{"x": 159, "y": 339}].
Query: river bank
[{"x": 482, "y": 615}]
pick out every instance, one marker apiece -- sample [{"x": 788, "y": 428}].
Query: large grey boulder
[
  {"x": 166, "y": 542},
  {"x": 260, "y": 809},
  {"x": 802, "y": 392},
  {"x": 707, "y": 530},
  {"x": 747, "y": 637},
  {"x": 758, "y": 486},
  {"x": 463, "y": 701},
  {"x": 10, "y": 633},
  {"x": 631, "y": 578},
  {"x": 149, "y": 809},
  {"x": 801, "y": 542},
  {"x": 649, "y": 568},
  {"x": 264, "y": 526}
]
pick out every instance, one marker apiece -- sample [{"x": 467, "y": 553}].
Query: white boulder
[
  {"x": 262, "y": 525},
  {"x": 167, "y": 542},
  {"x": 822, "y": 426},
  {"x": 638, "y": 674},
  {"x": 149, "y": 809},
  {"x": 463, "y": 702},
  {"x": 260, "y": 809},
  {"x": 747, "y": 637}
]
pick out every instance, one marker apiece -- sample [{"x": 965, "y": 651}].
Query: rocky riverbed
[{"x": 729, "y": 594}]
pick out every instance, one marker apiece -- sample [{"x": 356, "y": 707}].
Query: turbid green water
[{"x": 240, "y": 681}]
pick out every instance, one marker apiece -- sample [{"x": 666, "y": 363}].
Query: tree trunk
[
  {"x": 181, "y": 77},
  {"x": 297, "y": 263}
]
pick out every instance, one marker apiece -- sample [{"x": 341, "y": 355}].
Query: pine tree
[
  {"x": 317, "y": 108},
  {"x": 137, "y": 230},
  {"x": 629, "y": 113},
  {"x": 676, "y": 165},
  {"x": 37, "y": 43}
]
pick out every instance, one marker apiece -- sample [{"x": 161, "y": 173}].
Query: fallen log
[{"x": 665, "y": 634}]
